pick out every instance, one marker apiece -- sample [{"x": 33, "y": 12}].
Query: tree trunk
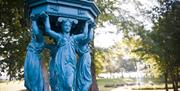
[
  {"x": 45, "y": 76},
  {"x": 176, "y": 79},
  {"x": 166, "y": 81},
  {"x": 174, "y": 82},
  {"x": 173, "y": 85},
  {"x": 122, "y": 74},
  {"x": 94, "y": 86}
]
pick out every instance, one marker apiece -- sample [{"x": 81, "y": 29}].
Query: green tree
[
  {"x": 99, "y": 60},
  {"x": 161, "y": 45},
  {"x": 13, "y": 38}
]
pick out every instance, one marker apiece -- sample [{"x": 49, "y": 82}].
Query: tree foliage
[
  {"x": 99, "y": 60},
  {"x": 13, "y": 37},
  {"x": 161, "y": 45}
]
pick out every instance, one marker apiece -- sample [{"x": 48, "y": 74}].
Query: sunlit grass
[
  {"x": 112, "y": 83},
  {"x": 152, "y": 87},
  {"x": 109, "y": 83}
]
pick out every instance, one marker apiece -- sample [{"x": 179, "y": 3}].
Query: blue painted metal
[
  {"x": 32, "y": 68},
  {"x": 52, "y": 72},
  {"x": 83, "y": 75},
  {"x": 69, "y": 23},
  {"x": 78, "y": 9},
  {"x": 65, "y": 61}
]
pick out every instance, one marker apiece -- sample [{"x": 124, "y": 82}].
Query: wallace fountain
[{"x": 69, "y": 23}]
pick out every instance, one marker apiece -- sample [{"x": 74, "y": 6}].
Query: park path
[
  {"x": 127, "y": 89},
  {"x": 12, "y": 86}
]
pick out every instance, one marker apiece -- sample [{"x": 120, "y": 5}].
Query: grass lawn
[
  {"x": 109, "y": 83},
  {"x": 152, "y": 87},
  {"x": 19, "y": 85},
  {"x": 112, "y": 83}
]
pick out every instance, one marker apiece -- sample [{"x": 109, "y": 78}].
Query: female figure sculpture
[
  {"x": 32, "y": 68},
  {"x": 52, "y": 73},
  {"x": 65, "y": 60},
  {"x": 84, "y": 77}
]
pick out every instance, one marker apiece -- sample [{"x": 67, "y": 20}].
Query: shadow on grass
[{"x": 3, "y": 81}]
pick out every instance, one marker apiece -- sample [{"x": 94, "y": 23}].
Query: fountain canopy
[{"x": 78, "y": 9}]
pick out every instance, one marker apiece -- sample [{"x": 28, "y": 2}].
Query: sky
[{"x": 107, "y": 36}]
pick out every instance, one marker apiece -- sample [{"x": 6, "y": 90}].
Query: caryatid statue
[
  {"x": 33, "y": 75},
  {"x": 65, "y": 60},
  {"x": 69, "y": 24},
  {"x": 83, "y": 75}
]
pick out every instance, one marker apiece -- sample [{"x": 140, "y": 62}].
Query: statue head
[{"x": 66, "y": 24}]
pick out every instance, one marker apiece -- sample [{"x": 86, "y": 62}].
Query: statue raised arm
[
  {"x": 51, "y": 33},
  {"x": 32, "y": 68},
  {"x": 65, "y": 60},
  {"x": 84, "y": 77}
]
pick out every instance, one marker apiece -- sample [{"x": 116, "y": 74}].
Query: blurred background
[{"x": 136, "y": 45}]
